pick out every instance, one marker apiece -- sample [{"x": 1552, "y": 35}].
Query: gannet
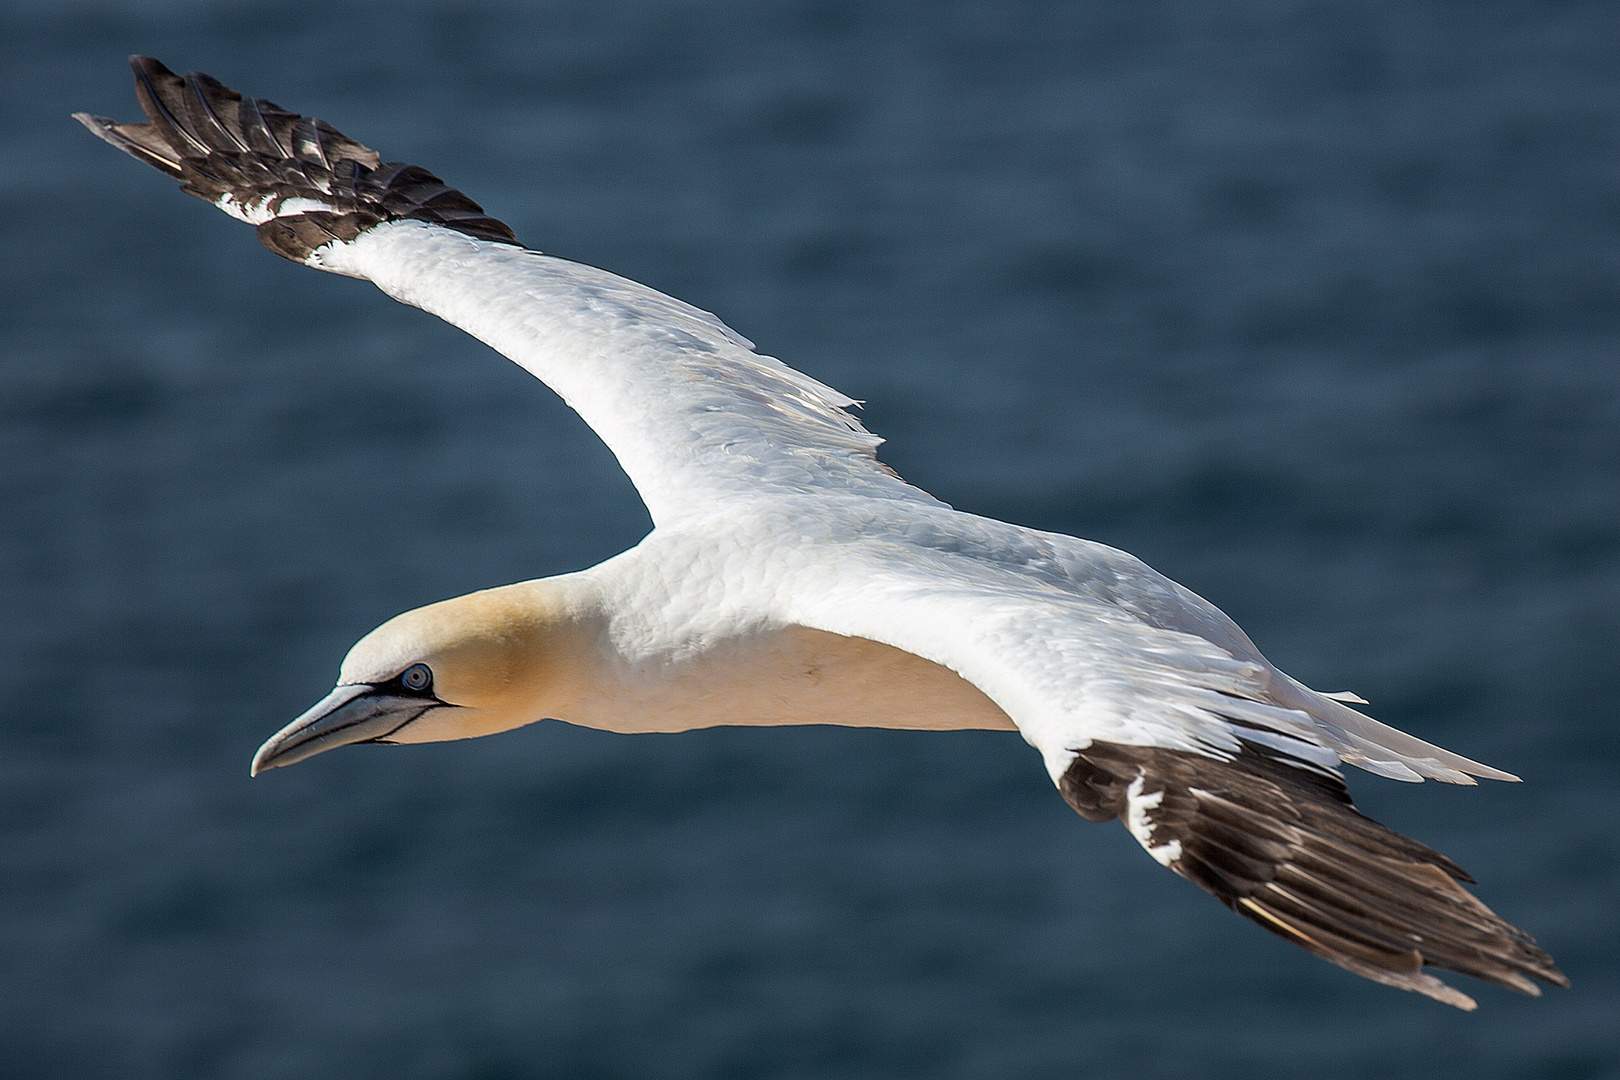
[{"x": 792, "y": 578}]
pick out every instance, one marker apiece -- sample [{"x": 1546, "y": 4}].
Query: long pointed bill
[{"x": 349, "y": 714}]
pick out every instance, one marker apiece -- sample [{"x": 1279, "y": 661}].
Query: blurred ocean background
[{"x": 1314, "y": 306}]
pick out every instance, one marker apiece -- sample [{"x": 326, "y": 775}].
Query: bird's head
[{"x": 471, "y": 666}]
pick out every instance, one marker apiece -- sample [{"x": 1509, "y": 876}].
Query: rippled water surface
[{"x": 1313, "y": 306}]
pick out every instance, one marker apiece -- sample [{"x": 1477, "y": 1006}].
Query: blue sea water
[{"x": 1314, "y": 306}]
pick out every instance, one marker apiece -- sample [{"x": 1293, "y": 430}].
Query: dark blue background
[{"x": 1314, "y": 306}]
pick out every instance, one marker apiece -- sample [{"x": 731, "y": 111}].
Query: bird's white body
[
  {"x": 791, "y": 578},
  {"x": 772, "y": 513},
  {"x": 783, "y": 675}
]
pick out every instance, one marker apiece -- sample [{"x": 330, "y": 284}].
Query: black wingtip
[
  {"x": 227, "y": 148},
  {"x": 140, "y": 141},
  {"x": 1279, "y": 843},
  {"x": 151, "y": 142}
]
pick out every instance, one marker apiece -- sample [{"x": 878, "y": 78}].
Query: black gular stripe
[
  {"x": 1279, "y": 842},
  {"x": 217, "y": 142}
]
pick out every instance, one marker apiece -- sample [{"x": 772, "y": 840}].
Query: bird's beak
[{"x": 350, "y": 714}]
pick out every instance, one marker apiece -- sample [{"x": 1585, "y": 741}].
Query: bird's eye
[{"x": 417, "y": 677}]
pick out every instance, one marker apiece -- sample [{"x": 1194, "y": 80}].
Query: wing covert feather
[{"x": 694, "y": 415}]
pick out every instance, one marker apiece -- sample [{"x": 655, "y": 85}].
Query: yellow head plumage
[{"x": 457, "y": 669}]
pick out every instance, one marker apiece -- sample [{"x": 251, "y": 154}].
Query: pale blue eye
[{"x": 417, "y": 677}]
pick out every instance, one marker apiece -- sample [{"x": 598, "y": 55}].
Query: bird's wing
[
  {"x": 693, "y": 413},
  {"x": 1148, "y": 705}
]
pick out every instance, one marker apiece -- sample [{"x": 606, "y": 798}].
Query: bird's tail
[{"x": 1361, "y": 741}]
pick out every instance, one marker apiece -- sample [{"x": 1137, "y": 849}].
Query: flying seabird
[{"x": 792, "y": 578}]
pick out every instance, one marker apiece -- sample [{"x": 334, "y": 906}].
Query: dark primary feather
[
  {"x": 1279, "y": 842},
  {"x": 216, "y": 142}
]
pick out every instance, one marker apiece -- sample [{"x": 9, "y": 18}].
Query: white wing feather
[
  {"x": 694, "y": 415},
  {"x": 1074, "y": 640}
]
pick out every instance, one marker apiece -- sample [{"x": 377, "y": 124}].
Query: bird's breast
[{"x": 785, "y": 676}]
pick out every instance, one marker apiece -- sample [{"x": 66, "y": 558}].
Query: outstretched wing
[
  {"x": 1150, "y": 706},
  {"x": 693, "y": 413}
]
